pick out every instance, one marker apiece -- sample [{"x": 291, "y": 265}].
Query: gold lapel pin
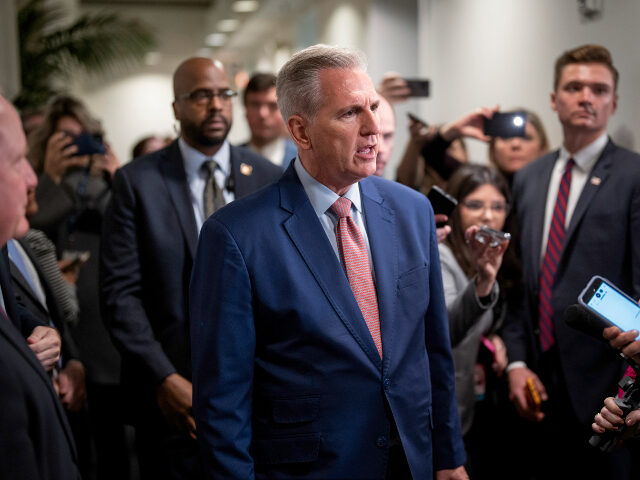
[
  {"x": 247, "y": 170},
  {"x": 595, "y": 181}
]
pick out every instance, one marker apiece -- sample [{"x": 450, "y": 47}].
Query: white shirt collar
[
  {"x": 587, "y": 157},
  {"x": 193, "y": 159},
  {"x": 322, "y": 197}
]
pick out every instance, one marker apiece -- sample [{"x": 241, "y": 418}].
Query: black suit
[
  {"x": 35, "y": 439},
  {"x": 602, "y": 238},
  {"x": 51, "y": 311},
  {"x": 148, "y": 247}
]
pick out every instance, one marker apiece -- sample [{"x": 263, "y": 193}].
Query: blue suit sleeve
[{"x": 223, "y": 343}]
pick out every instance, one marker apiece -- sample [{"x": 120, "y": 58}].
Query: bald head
[
  {"x": 202, "y": 103},
  {"x": 191, "y": 71},
  {"x": 16, "y": 175}
]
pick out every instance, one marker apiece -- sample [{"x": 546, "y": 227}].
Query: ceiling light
[
  {"x": 245, "y": 6},
  {"x": 215, "y": 39},
  {"x": 228, "y": 25}
]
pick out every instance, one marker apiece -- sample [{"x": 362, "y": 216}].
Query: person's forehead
[
  {"x": 12, "y": 139},
  {"x": 202, "y": 74},
  {"x": 587, "y": 73},
  {"x": 347, "y": 84},
  {"x": 263, "y": 95}
]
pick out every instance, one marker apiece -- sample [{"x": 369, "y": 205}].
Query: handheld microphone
[{"x": 585, "y": 321}]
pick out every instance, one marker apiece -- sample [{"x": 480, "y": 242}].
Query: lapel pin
[
  {"x": 595, "y": 181},
  {"x": 248, "y": 169}
]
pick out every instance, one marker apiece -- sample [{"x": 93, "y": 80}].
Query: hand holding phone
[
  {"x": 491, "y": 237},
  {"x": 611, "y": 304},
  {"x": 88, "y": 144}
]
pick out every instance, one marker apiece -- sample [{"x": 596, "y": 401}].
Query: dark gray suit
[
  {"x": 148, "y": 247},
  {"x": 603, "y": 238},
  {"x": 35, "y": 439}
]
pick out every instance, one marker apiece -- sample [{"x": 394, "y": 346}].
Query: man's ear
[
  {"x": 298, "y": 129},
  {"x": 553, "y": 101},
  {"x": 176, "y": 110}
]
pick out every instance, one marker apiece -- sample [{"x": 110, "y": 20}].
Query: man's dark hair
[
  {"x": 259, "y": 82},
  {"x": 585, "y": 54}
]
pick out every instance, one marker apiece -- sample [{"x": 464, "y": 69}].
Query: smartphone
[
  {"x": 533, "y": 393},
  {"x": 491, "y": 236},
  {"x": 611, "y": 304},
  {"x": 419, "y": 87},
  {"x": 417, "y": 120},
  {"x": 88, "y": 144},
  {"x": 441, "y": 201},
  {"x": 506, "y": 124}
]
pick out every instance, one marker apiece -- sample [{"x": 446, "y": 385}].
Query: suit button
[
  {"x": 386, "y": 384},
  {"x": 381, "y": 442}
]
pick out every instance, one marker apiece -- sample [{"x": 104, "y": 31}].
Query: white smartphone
[{"x": 611, "y": 304}]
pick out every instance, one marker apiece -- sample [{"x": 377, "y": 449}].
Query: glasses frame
[
  {"x": 506, "y": 209},
  {"x": 224, "y": 95}
]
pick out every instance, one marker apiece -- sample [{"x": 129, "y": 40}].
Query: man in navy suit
[
  {"x": 579, "y": 212},
  {"x": 269, "y": 135},
  {"x": 150, "y": 234},
  {"x": 36, "y": 441},
  {"x": 303, "y": 368}
]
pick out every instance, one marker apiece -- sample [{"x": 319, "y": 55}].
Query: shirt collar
[
  {"x": 193, "y": 159},
  {"x": 587, "y": 157},
  {"x": 320, "y": 196}
]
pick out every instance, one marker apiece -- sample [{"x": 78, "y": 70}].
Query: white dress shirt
[
  {"x": 197, "y": 178},
  {"x": 585, "y": 160},
  {"x": 321, "y": 198}
]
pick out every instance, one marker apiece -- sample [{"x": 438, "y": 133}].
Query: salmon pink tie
[
  {"x": 555, "y": 244},
  {"x": 355, "y": 259}
]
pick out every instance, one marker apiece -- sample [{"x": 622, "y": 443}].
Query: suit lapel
[
  {"x": 310, "y": 239},
  {"x": 175, "y": 178},
  {"x": 539, "y": 204},
  {"x": 380, "y": 224},
  {"x": 12, "y": 336},
  {"x": 601, "y": 170},
  {"x": 25, "y": 287}
]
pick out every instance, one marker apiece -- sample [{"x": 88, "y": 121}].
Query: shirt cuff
[{"x": 518, "y": 364}]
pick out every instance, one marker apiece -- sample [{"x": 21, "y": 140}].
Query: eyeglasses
[
  {"x": 203, "y": 96},
  {"x": 477, "y": 206}
]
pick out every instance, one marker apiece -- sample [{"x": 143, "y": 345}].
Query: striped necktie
[
  {"x": 355, "y": 259},
  {"x": 555, "y": 245}
]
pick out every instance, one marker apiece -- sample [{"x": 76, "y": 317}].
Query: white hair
[{"x": 298, "y": 83}]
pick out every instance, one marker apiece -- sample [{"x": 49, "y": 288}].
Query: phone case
[{"x": 586, "y": 289}]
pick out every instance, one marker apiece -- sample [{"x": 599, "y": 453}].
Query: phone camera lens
[{"x": 598, "y": 295}]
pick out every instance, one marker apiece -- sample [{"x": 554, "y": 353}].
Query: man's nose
[
  {"x": 370, "y": 123},
  {"x": 586, "y": 95}
]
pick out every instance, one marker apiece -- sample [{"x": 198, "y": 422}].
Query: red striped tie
[
  {"x": 555, "y": 245},
  {"x": 355, "y": 259}
]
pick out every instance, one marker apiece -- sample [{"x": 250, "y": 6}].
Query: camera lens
[{"x": 598, "y": 295}]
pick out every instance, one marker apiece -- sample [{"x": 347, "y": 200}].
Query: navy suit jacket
[
  {"x": 287, "y": 379},
  {"x": 148, "y": 246},
  {"x": 603, "y": 238}
]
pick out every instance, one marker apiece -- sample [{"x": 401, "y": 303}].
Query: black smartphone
[
  {"x": 419, "y": 87},
  {"x": 611, "y": 304},
  {"x": 490, "y": 236},
  {"x": 417, "y": 120},
  {"x": 89, "y": 144},
  {"x": 506, "y": 124},
  {"x": 441, "y": 201}
]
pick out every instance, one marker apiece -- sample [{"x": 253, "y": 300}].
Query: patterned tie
[
  {"x": 555, "y": 245},
  {"x": 355, "y": 259},
  {"x": 212, "y": 196}
]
